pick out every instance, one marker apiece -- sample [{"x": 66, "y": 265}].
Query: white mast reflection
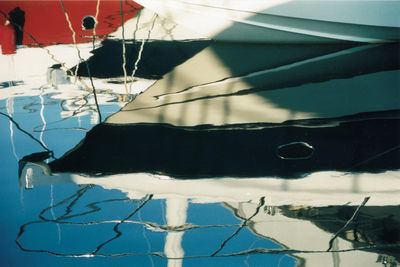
[
  {"x": 10, "y": 111},
  {"x": 176, "y": 216}
]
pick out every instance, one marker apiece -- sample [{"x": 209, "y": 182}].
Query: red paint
[
  {"x": 46, "y": 22},
  {"x": 7, "y": 40}
]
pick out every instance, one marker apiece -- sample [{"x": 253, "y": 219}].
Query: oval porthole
[
  {"x": 295, "y": 151},
  {"x": 88, "y": 23}
]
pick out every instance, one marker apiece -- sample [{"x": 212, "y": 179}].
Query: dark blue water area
[{"x": 215, "y": 213}]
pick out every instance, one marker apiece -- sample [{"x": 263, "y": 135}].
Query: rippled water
[
  {"x": 68, "y": 223},
  {"x": 235, "y": 155}
]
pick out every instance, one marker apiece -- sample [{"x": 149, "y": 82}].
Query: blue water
[
  {"x": 87, "y": 225},
  {"x": 56, "y": 224}
]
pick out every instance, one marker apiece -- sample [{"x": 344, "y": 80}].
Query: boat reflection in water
[
  {"x": 230, "y": 153},
  {"x": 299, "y": 143}
]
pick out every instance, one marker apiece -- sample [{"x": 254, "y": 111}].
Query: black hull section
[
  {"x": 363, "y": 143},
  {"x": 157, "y": 59}
]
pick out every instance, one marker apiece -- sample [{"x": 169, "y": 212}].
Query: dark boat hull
[{"x": 362, "y": 143}]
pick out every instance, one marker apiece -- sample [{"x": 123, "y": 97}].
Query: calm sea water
[{"x": 105, "y": 200}]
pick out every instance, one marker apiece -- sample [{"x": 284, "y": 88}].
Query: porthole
[
  {"x": 88, "y": 23},
  {"x": 295, "y": 151}
]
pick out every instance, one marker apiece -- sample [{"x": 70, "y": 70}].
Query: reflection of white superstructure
[
  {"x": 284, "y": 21},
  {"x": 317, "y": 189},
  {"x": 302, "y": 235}
]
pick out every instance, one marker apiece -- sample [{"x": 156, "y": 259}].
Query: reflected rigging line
[
  {"x": 123, "y": 49},
  {"x": 118, "y": 233},
  {"x": 28, "y": 134},
  {"x": 81, "y": 60},
  {"x": 135, "y": 67},
  {"x": 160, "y": 255},
  {"x": 261, "y": 203},
  {"x": 73, "y": 36},
  {"x": 241, "y": 253},
  {"x": 374, "y": 157},
  {"x": 74, "y": 113},
  {"x": 75, "y": 198},
  {"x": 96, "y": 22},
  {"x": 94, "y": 91},
  {"x": 347, "y": 223},
  {"x": 43, "y": 120},
  {"x": 146, "y": 238}
]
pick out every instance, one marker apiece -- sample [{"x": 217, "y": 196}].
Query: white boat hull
[{"x": 285, "y": 21}]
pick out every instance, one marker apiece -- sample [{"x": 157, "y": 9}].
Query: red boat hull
[{"x": 47, "y": 23}]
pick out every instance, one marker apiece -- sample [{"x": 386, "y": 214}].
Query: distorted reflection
[
  {"x": 137, "y": 140},
  {"x": 243, "y": 231}
]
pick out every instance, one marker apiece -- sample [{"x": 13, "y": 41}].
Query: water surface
[{"x": 235, "y": 155}]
